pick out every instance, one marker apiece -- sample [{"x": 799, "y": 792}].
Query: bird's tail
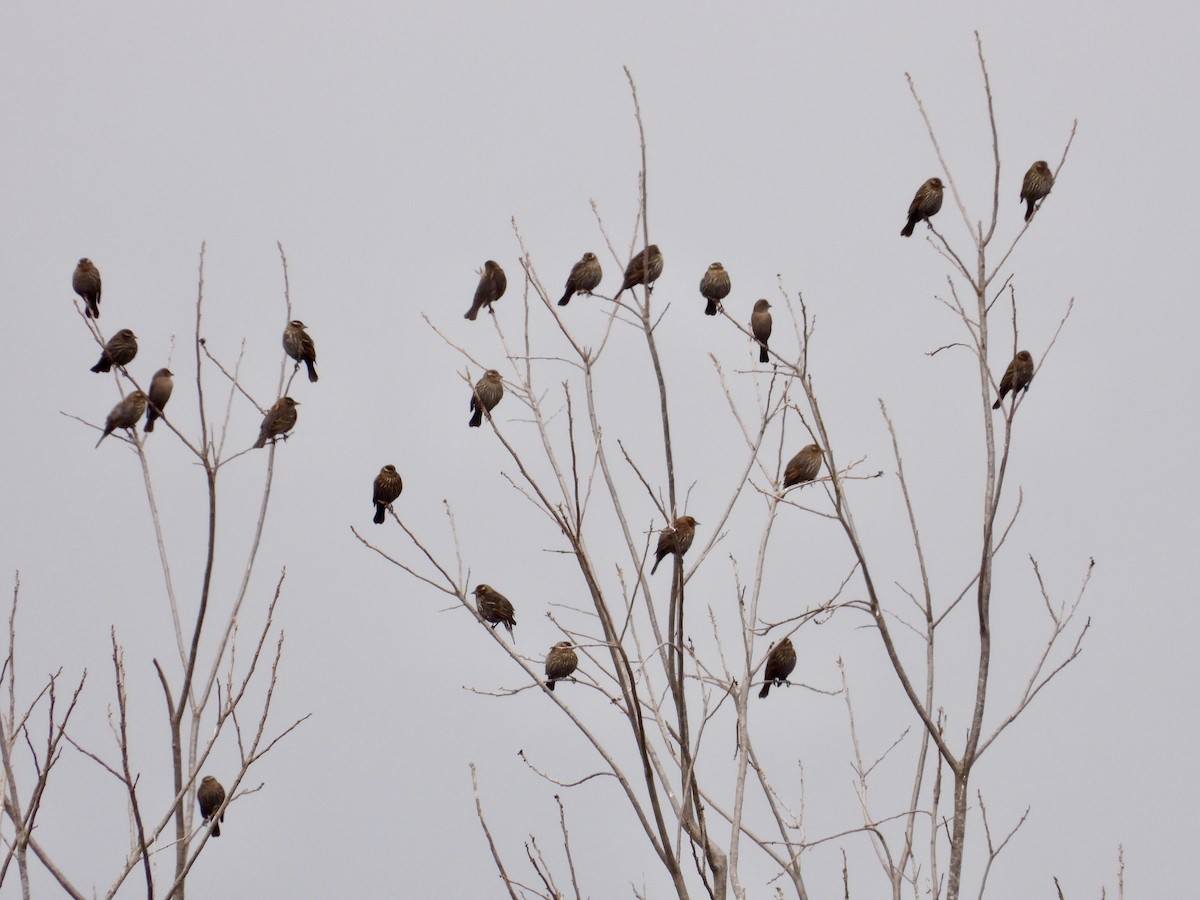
[
  {"x": 312, "y": 371},
  {"x": 471, "y": 313},
  {"x": 103, "y": 366},
  {"x": 711, "y": 309},
  {"x": 150, "y": 417},
  {"x": 550, "y": 683},
  {"x": 763, "y": 356},
  {"x": 93, "y": 309},
  {"x": 566, "y": 298},
  {"x": 380, "y": 513},
  {"x": 999, "y": 401},
  {"x": 766, "y": 689},
  {"x": 1029, "y": 211},
  {"x": 907, "y": 230},
  {"x": 477, "y": 418}
]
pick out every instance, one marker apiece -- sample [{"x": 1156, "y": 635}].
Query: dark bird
[
  {"x": 210, "y": 795},
  {"x": 492, "y": 284},
  {"x": 927, "y": 202},
  {"x": 780, "y": 662},
  {"x": 125, "y": 414},
  {"x": 675, "y": 538},
  {"x": 802, "y": 467},
  {"x": 86, "y": 283},
  {"x": 387, "y": 488},
  {"x": 161, "y": 386},
  {"x": 584, "y": 278},
  {"x": 494, "y": 607},
  {"x": 1037, "y": 184},
  {"x": 119, "y": 351},
  {"x": 298, "y": 344},
  {"x": 1016, "y": 377},
  {"x": 561, "y": 661},
  {"x": 280, "y": 419},
  {"x": 486, "y": 394},
  {"x": 760, "y": 324},
  {"x": 714, "y": 286},
  {"x": 644, "y": 268}
]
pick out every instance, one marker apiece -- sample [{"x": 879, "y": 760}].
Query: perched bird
[
  {"x": 298, "y": 344},
  {"x": 675, "y": 538},
  {"x": 780, "y": 662},
  {"x": 280, "y": 419},
  {"x": 119, "y": 351},
  {"x": 802, "y": 467},
  {"x": 644, "y": 268},
  {"x": 584, "y": 278},
  {"x": 1016, "y": 377},
  {"x": 494, "y": 607},
  {"x": 714, "y": 286},
  {"x": 491, "y": 288},
  {"x": 210, "y": 795},
  {"x": 760, "y": 324},
  {"x": 927, "y": 202},
  {"x": 1038, "y": 181},
  {"x": 561, "y": 661},
  {"x": 125, "y": 414},
  {"x": 486, "y": 394},
  {"x": 161, "y": 386},
  {"x": 86, "y": 283},
  {"x": 387, "y": 488}
]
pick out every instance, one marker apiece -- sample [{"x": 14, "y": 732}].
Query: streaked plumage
[
  {"x": 1016, "y": 377},
  {"x": 486, "y": 394},
  {"x": 780, "y": 662},
  {"x": 388, "y": 486},
  {"x": 494, "y": 607},
  {"x": 675, "y": 538},
  {"x": 125, "y": 414},
  {"x": 561, "y": 662},
  {"x": 803, "y": 467},
  {"x": 1037, "y": 184},
  {"x": 492, "y": 284},
  {"x": 927, "y": 202},
  {"x": 298, "y": 344},
  {"x": 279, "y": 420},
  {"x": 584, "y": 278},
  {"x": 86, "y": 283},
  {"x": 714, "y": 287},
  {"x": 119, "y": 351},
  {"x": 644, "y": 268}
]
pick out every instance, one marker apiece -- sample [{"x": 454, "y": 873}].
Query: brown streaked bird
[
  {"x": 492, "y": 284},
  {"x": 561, "y": 662},
  {"x": 125, "y": 414},
  {"x": 714, "y": 287},
  {"x": 388, "y": 486},
  {"x": 86, "y": 283},
  {"x": 927, "y": 202},
  {"x": 494, "y": 607},
  {"x": 298, "y": 344},
  {"x": 675, "y": 538},
  {"x": 119, "y": 351},
  {"x": 1037, "y": 184},
  {"x": 780, "y": 662},
  {"x": 280, "y": 419},
  {"x": 584, "y": 278},
  {"x": 486, "y": 394},
  {"x": 802, "y": 467},
  {"x": 210, "y": 795},
  {"x": 161, "y": 386},
  {"x": 1016, "y": 377},
  {"x": 760, "y": 324},
  {"x": 644, "y": 268}
]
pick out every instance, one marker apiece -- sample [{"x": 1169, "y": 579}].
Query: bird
[
  {"x": 584, "y": 278},
  {"x": 802, "y": 467},
  {"x": 119, "y": 351},
  {"x": 1037, "y": 184},
  {"x": 388, "y": 486},
  {"x": 1016, "y": 377},
  {"x": 760, "y": 324},
  {"x": 125, "y": 414},
  {"x": 491, "y": 288},
  {"x": 494, "y": 607},
  {"x": 927, "y": 202},
  {"x": 780, "y": 662},
  {"x": 714, "y": 286},
  {"x": 486, "y": 394},
  {"x": 675, "y": 538},
  {"x": 561, "y": 661},
  {"x": 86, "y": 283},
  {"x": 298, "y": 344},
  {"x": 161, "y": 386},
  {"x": 280, "y": 419},
  {"x": 210, "y": 795},
  {"x": 644, "y": 268}
]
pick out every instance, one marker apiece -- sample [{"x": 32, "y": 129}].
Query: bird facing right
[
  {"x": 802, "y": 467},
  {"x": 298, "y": 344},
  {"x": 492, "y": 284},
  {"x": 210, "y": 795},
  {"x": 760, "y": 324},
  {"x": 927, "y": 202},
  {"x": 486, "y": 394},
  {"x": 675, "y": 538},
  {"x": 388, "y": 486},
  {"x": 125, "y": 414},
  {"x": 1016, "y": 377},
  {"x": 161, "y": 386},
  {"x": 780, "y": 662},
  {"x": 280, "y": 419},
  {"x": 584, "y": 278},
  {"x": 1037, "y": 184},
  {"x": 714, "y": 287},
  {"x": 644, "y": 268},
  {"x": 86, "y": 283},
  {"x": 494, "y": 607},
  {"x": 561, "y": 661},
  {"x": 119, "y": 351}
]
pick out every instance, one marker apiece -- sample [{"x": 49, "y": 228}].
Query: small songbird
[
  {"x": 1016, "y": 377},
  {"x": 86, "y": 283},
  {"x": 675, "y": 538},
  {"x": 388, "y": 486},
  {"x": 210, "y": 795},
  {"x": 1037, "y": 184},
  {"x": 760, "y": 324},
  {"x": 802, "y": 467},
  {"x": 486, "y": 394},
  {"x": 161, "y": 386},
  {"x": 298, "y": 344},
  {"x": 780, "y": 662},
  {"x": 279, "y": 420},
  {"x": 561, "y": 661},
  {"x": 119, "y": 351},
  {"x": 125, "y": 414},
  {"x": 714, "y": 287},
  {"x": 584, "y": 278},
  {"x": 644, "y": 268},
  {"x": 492, "y": 284},
  {"x": 494, "y": 607},
  {"x": 927, "y": 202}
]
